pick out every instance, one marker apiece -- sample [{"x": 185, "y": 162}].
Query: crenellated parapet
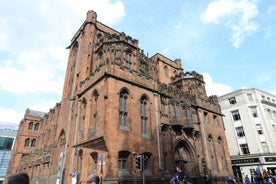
[
  {"x": 194, "y": 75},
  {"x": 173, "y": 91},
  {"x": 107, "y": 38}
]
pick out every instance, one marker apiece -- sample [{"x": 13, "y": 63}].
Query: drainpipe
[
  {"x": 72, "y": 98},
  {"x": 157, "y": 129},
  {"x": 75, "y": 136}
]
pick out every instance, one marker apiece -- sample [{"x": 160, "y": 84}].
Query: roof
[{"x": 30, "y": 112}]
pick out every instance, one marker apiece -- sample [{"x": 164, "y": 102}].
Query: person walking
[
  {"x": 258, "y": 176},
  {"x": 180, "y": 177},
  {"x": 247, "y": 180},
  {"x": 266, "y": 177},
  {"x": 93, "y": 179}
]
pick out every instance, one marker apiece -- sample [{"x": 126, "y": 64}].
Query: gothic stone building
[{"x": 117, "y": 102}]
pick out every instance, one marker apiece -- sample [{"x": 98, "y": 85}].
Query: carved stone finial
[{"x": 91, "y": 16}]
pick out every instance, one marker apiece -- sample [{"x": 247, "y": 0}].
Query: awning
[{"x": 95, "y": 143}]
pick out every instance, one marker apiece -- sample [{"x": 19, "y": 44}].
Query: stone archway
[{"x": 185, "y": 157}]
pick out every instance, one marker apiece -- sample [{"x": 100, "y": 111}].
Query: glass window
[
  {"x": 236, "y": 115},
  {"x": 249, "y": 96},
  {"x": 27, "y": 142},
  {"x": 122, "y": 164},
  {"x": 240, "y": 132},
  {"x": 232, "y": 100},
  {"x": 244, "y": 149},
  {"x": 254, "y": 112},
  {"x": 31, "y": 126},
  {"x": 123, "y": 109},
  {"x": 144, "y": 115},
  {"x": 6, "y": 143},
  {"x": 259, "y": 129},
  {"x": 33, "y": 143},
  {"x": 36, "y": 127},
  {"x": 122, "y": 161}
]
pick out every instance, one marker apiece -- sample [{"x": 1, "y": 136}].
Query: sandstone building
[{"x": 118, "y": 102}]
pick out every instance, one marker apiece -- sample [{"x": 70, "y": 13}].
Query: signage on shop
[
  {"x": 270, "y": 159},
  {"x": 245, "y": 161}
]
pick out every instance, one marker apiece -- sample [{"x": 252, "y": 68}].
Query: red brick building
[{"x": 118, "y": 102}]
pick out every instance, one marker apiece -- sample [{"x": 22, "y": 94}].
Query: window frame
[
  {"x": 144, "y": 115},
  {"x": 240, "y": 131},
  {"x": 244, "y": 149},
  {"x": 27, "y": 142},
  {"x": 232, "y": 100},
  {"x": 236, "y": 115},
  {"x": 123, "y": 109}
]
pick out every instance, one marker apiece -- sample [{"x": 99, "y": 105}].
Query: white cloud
[
  {"x": 213, "y": 88},
  {"x": 107, "y": 12},
  {"x": 36, "y": 38},
  {"x": 34, "y": 72},
  {"x": 33, "y": 37},
  {"x": 11, "y": 116},
  {"x": 236, "y": 14}
]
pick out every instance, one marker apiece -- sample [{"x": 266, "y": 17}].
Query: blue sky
[{"x": 231, "y": 42}]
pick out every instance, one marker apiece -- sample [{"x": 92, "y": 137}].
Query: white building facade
[
  {"x": 8, "y": 132},
  {"x": 250, "y": 127}
]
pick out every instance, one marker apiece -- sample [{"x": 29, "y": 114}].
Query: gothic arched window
[
  {"x": 36, "y": 127},
  {"x": 144, "y": 115},
  {"x": 31, "y": 124},
  {"x": 123, "y": 114},
  {"x": 27, "y": 142},
  {"x": 33, "y": 143}
]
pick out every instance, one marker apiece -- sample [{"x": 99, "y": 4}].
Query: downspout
[
  {"x": 75, "y": 134},
  {"x": 72, "y": 98},
  {"x": 157, "y": 129}
]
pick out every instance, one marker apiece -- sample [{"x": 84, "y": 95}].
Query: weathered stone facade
[{"x": 116, "y": 102}]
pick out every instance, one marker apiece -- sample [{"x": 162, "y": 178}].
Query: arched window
[
  {"x": 31, "y": 124},
  {"x": 33, "y": 143},
  {"x": 122, "y": 160},
  {"x": 94, "y": 156},
  {"x": 27, "y": 142},
  {"x": 144, "y": 115},
  {"x": 123, "y": 109},
  {"x": 36, "y": 127}
]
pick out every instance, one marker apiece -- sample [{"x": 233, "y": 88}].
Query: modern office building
[
  {"x": 250, "y": 126},
  {"x": 119, "y": 103},
  {"x": 8, "y": 132}
]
